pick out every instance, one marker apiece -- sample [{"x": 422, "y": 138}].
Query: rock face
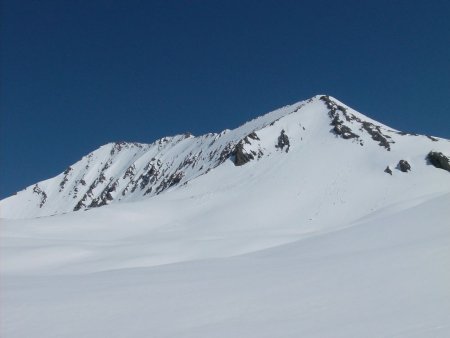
[
  {"x": 339, "y": 127},
  {"x": 283, "y": 141},
  {"x": 403, "y": 166},
  {"x": 377, "y": 135},
  {"x": 240, "y": 156},
  {"x": 439, "y": 160},
  {"x": 343, "y": 121},
  {"x": 42, "y": 195},
  {"x": 388, "y": 170}
]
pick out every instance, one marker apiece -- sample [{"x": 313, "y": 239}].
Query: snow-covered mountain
[
  {"x": 310, "y": 221},
  {"x": 322, "y": 131}
]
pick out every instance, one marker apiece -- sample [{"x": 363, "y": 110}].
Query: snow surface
[{"x": 315, "y": 242}]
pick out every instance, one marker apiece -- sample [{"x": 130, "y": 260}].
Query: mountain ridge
[{"x": 124, "y": 171}]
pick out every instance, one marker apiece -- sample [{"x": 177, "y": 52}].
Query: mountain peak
[{"x": 125, "y": 171}]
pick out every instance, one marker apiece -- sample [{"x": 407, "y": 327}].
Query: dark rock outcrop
[
  {"x": 253, "y": 136},
  {"x": 130, "y": 172},
  {"x": 152, "y": 172},
  {"x": 224, "y": 154},
  {"x": 388, "y": 170},
  {"x": 344, "y": 131},
  {"x": 237, "y": 152},
  {"x": 403, "y": 166},
  {"x": 41, "y": 193},
  {"x": 172, "y": 180},
  {"x": 439, "y": 160},
  {"x": 89, "y": 194},
  {"x": 105, "y": 197},
  {"x": 376, "y": 134},
  {"x": 283, "y": 141},
  {"x": 404, "y": 133},
  {"x": 339, "y": 128},
  {"x": 65, "y": 179},
  {"x": 240, "y": 156},
  {"x": 118, "y": 146},
  {"x": 81, "y": 204},
  {"x": 150, "y": 175}
]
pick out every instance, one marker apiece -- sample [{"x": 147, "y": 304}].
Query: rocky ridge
[{"x": 124, "y": 171}]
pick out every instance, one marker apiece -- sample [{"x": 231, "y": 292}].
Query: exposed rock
[
  {"x": 62, "y": 184},
  {"x": 65, "y": 178},
  {"x": 342, "y": 130},
  {"x": 189, "y": 160},
  {"x": 403, "y": 166},
  {"x": 240, "y": 156},
  {"x": 42, "y": 195},
  {"x": 105, "y": 197},
  {"x": 225, "y": 154},
  {"x": 404, "y": 133},
  {"x": 388, "y": 170},
  {"x": 376, "y": 134},
  {"x": 81, "y": 204},
  {"x": 101, "y": 178},
  {"x": 434, "y": 139},
  {"x": 172, "y": 180},
  {"x": 253, "y": 136},
  {"x": 107, "y": 165},
  {"x": 339, "y": 128},
  {"x": 176, "y": 178},
  {"x": 283, "y": 141},
  {"x": 118, "y": 146},
  {"x": 130, "y": 172},
  {"x": 148, "y": 191},
  {"x": 346, "y": 132},
  {"x": 89, "y": 194},
  {"x": 439, "y": 160},
  {"x": 152, "y": 172},
  {"x": 150, "y": 176}
]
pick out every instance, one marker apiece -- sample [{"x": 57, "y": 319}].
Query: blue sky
[{"x": 77, "y": 74}]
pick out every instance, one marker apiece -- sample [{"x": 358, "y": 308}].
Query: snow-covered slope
[
  {"x": 384, "y": 276},
  {"x": 290, "y": 225},
  {"x": 129, "y": 171}
]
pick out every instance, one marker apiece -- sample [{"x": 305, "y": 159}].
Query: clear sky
[{"x": 77, "y": 74}]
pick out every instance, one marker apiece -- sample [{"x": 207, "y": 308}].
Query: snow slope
[
  {"x": 275, "y": 236},
  {"x": 319, "y": 127},
  {"x": 384, "y": 276}
]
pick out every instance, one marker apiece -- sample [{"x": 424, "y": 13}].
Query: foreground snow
[{"x": 384, "y": 276}]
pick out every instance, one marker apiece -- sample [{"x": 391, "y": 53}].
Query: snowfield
[{"x": 252, "y": 235}]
